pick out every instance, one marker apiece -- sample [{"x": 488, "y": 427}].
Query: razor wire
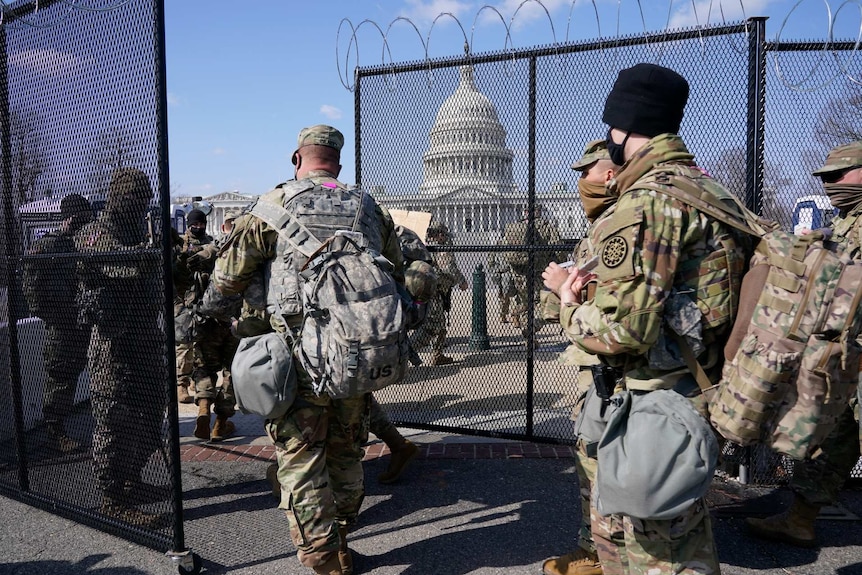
[
  {"x": 13, "y": 13},
  {"x": 717, "y": 12}
]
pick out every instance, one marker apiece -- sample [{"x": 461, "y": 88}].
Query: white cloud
[
  {"x": 219, "y": 151},
  {"x": 330, "y": 112},
  {"x": 47, "y": 62},
  {"x": 716, "y": 12},
  {"x": 173, "y": 99},
  {"x": 423, "y": 12}
]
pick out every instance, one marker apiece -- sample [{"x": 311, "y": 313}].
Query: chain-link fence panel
[
  {"x": 485, "y": 144},
  {"x": 87, "y": 423}
]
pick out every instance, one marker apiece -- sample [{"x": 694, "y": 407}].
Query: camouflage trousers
[
  {"x": 185, "y": 363},
  {"x": 523, "y": 304},
  {"x": 65, "y": 358},
  {"x": 128, "y": 402},
  {"x": 213, "y": 353},
  {"x": 819, "y": 480},
  {"x": 319, "y": 450},
  {"x": 683, "y": 545},
  {"x": 378, "y": 422},
  {"x": 433, "y": 330}
]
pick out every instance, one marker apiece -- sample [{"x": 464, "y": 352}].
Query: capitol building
[{"x": 467, "y": 179}]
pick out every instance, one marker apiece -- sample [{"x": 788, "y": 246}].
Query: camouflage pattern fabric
[
  {"x": 319, "y": 450},
  {"x": 820, "y": 479},
  {"x": 500, "y": 275},
  {"x": 318, "y": 441},
  {"x": 185, "y": 353},
  {"x": 433, "y": 330},
  {"x": 51, "y": 287},
  {"x": 378, "y": 422},
  {"x": 647, "y": 246},
  {"x": 128, "y": 402},
  {"x": 683, "y": 545},
  {"x": 214, "y": 355}
]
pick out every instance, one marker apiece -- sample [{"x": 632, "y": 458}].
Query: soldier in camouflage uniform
[
  {"x": 816, "y": 482},
  {"x": 516, "y": 234},
  {"x": 187, "y": 291},
  {"x": 654, "y": 251},
  {"x": 319, "y": 440},
  {"x": 597, "y": 170},
  {"x": 51, "y": 288},
  {"x": 214, "y": 344},
  {"x": 121, "y": 295},
  {"x": 501, "y": 277},
  {"x": 433, "y": 329}
]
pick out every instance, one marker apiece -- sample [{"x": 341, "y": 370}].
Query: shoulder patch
[{"x": 614, "y": 251}]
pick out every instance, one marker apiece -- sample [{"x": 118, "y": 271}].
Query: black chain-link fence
[
  {"x": 88, "y": 419},
  {"x": 484, "y": 140}
]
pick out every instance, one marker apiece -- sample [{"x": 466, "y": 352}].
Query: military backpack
[
  {"x": 353, "y": 337},
  {"x": 792, "y": 359}
]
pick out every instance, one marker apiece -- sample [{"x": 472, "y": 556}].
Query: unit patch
[{"x": 614, "y": 252}]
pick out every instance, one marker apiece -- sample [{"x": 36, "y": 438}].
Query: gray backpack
[
  {"x": 263, "y": 375},
  {"x": 353, "y": 338}
]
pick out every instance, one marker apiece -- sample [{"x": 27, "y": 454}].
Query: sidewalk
[{"x": 467, "y": 505}]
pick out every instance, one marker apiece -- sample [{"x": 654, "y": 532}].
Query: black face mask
[
  {"x": 617, "y": 152},
  {"x": 198, "y": 232}
]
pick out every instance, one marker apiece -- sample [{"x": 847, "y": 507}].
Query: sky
[{"x": 242, "y": 82}]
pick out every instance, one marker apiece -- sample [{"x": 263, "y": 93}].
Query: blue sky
[{"x": 243, "y": 79}]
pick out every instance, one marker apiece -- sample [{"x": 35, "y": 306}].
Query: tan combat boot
[
  {"x": 439, "y": 359},
  {"x": 331, "y": 567},
  {"x": 183, "y": 395},
  {"x": 794, "y": 526},
  {"x": 580, "y": 562},
  {"x": 345, "y": 558},
  {"x": 132, "y": 515},
  {"x": 223, "y": 428},
  {"x": 202, "y": 425},
  {"x": 402, "y": 450}
]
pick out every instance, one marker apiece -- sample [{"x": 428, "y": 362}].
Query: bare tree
[
  {"x": 115, "y": 147},
  {"x": 27, "y": 154},
  {"x": 730, "y": 169},
  {"x": 840, "y": 121}
]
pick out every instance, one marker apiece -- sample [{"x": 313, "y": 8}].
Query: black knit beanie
[
  {"x": 646, "y": 99},
  {"x": 196, "y": 217}
]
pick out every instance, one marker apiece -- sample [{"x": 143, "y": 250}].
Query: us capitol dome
[{"x": 467, "y": 180}]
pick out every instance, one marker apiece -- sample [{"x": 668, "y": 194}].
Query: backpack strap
[
  {"x": 288, "y": 227},
  {"x": 682, "y": 188}
]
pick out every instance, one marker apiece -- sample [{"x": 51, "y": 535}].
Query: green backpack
[{"x": 792, "y": 359}]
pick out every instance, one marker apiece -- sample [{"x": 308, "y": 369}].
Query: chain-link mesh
[
  {"x": 86, "y": 423},
  {"x": 479, "y": 141}
]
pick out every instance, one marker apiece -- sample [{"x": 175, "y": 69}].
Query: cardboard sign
[{"x": 416, "y": 221}]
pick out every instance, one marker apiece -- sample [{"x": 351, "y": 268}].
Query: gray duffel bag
[
  {"x": 657, "y": 456},
  {"x": 263, "y": 375}
]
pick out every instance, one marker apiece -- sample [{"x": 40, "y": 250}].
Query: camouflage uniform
[
  {"x": 122, "y": 298},
  {"x": 214, "y": 344},
  {"x": 184, "y": 286},
  {"x": 433, "y": 329},
  {"x": 501, "y": 276},
  {"x": 819, "y": 480},
  {"x": 516, "y": 234},
  {"x": 319, "y": 440},
  {"x": 650, "y": 247},
  {"x": 51, "y": 288}
]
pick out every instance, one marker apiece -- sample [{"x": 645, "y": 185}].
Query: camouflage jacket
[
  {"x": 120, "y": 281},
  {"x": 847, "y": 231},
  {"x": 516, "y": 234},
  {"x": 190, "y": 284},
  {"x": 661, "y": 263},
  {"x": 448, "y": 273},
  {"x": 51, "y": 284},
  {"x": 252, "y": 244}
]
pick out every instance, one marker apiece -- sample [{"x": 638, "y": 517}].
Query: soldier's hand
[
  {"x": 572, "y": 288},
  {"x": 554, "y": 276}
]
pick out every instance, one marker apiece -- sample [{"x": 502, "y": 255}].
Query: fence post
[
  {"x": 756, "y": 108},
  {"x": 479, "y": 335}
]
